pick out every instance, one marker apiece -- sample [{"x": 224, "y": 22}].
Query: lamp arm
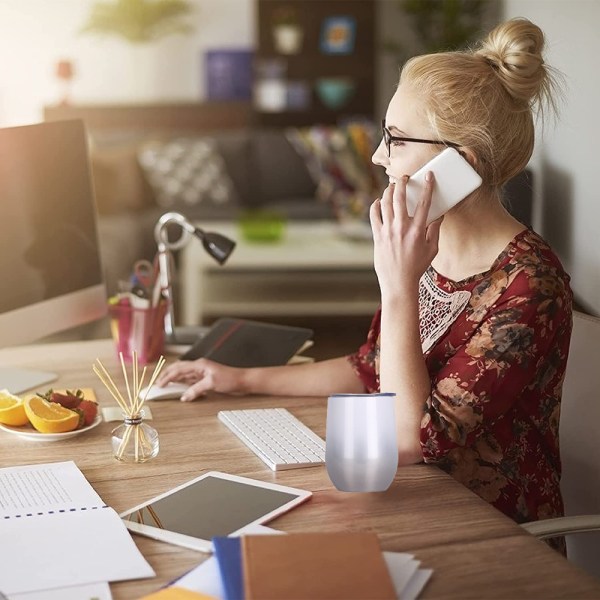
[
  {"x": 165, "y": 275},
  {"x": 218, "y": 246},
  {"x": 160, "y": 230}
]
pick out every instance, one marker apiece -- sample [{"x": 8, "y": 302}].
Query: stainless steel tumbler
[{"x": 361, "y": 451}]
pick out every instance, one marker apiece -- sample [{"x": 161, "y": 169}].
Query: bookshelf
[{"x": 316, "y": 59}]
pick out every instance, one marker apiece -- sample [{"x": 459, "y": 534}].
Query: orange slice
[
  {"x": 50, "y": 417},
  {"x": 12, "y": 410}
]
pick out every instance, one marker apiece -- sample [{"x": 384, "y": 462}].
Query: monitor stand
[{"x": 20, "y": 380}]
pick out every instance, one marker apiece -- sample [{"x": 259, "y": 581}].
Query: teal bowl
[{"x": 335, "y": 92}]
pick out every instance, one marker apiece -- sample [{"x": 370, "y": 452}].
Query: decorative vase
[{"x": 287, "y": 39}]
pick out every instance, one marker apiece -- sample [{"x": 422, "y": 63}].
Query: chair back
[{"x": 580, "y": 438}]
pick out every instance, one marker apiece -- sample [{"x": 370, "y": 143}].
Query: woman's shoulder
[
  {"x": 526, "y": 273},
  {"x": 532, "y": 270},
  {"x": 530, "y": 250}
]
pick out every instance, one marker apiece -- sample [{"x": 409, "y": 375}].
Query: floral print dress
[{"x": 496, "y": 371}]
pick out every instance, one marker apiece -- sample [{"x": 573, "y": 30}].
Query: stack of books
[
  {"x": 303, "y": 565},
  {"x": 300, "y": 566}
]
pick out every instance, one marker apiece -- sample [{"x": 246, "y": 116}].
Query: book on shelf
[
  {"x": 245, "y": 343},
  {"x": 332, "y": 566}
]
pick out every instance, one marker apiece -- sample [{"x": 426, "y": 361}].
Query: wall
[
  {"x": 112, "y": 70},
  {"x": 567, "y": 210},
  {"x": 35, "y": 34}
]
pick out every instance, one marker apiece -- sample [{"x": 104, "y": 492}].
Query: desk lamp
[{"x": 217, "y": 245}]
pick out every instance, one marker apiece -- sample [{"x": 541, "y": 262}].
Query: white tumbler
[{"x": 361, "y": 451}]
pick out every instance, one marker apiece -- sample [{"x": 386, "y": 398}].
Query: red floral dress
[{"x": 496, "y": 371}]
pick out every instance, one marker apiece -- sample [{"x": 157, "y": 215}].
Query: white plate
[{"x": 28, "y": 432}]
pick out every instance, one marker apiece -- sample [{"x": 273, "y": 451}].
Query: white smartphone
[{"x": 455, "y": 179}]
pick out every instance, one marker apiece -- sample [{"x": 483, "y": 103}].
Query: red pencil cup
[{"x": 139, "y": 330}]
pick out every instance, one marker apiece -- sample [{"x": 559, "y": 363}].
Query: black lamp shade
[{"x": 217, "y": 245}]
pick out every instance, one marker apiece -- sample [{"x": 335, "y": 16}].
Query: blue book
[{"x": 228, "y": 552}]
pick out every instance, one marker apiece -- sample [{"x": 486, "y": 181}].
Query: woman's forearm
[
  {"x": 402, "y": 370},
  {"x": 311, "y": 379}
]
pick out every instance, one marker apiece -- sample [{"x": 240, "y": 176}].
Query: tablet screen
[{"x": 216, "y": 504}]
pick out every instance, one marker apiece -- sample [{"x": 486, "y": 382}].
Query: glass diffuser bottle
[{"x": 134, "y": 440}]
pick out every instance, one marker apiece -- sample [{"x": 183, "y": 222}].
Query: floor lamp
[{"x": 216, "y": 245}]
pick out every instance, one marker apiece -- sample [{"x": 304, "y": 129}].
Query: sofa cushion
[
  {"x": 186, "y": 173},
  {"x": 283, "y": 172},
  {"x": 339, "y": 159},
  {"x": 235, "y": 148},
  {"x": 119, "y": 182}
]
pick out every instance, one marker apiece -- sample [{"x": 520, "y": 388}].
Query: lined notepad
[{"x": 51, "y": 519}]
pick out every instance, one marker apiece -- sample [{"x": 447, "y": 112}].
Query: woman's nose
[{"x": 380, "y": 156}]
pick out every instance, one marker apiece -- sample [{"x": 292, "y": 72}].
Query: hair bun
[{"x": 514, "y": 50}]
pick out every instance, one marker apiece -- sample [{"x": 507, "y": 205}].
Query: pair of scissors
[{"x": 145, "y": 276}]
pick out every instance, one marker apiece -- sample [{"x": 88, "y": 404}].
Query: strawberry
[
  {"x": 88, "y": 411},
  {"x": 69, "y": 399}
]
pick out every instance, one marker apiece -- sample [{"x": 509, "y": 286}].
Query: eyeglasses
[{"x": 388, "y": 138}]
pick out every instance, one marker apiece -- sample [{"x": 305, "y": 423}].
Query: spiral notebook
[{"x": 53, "y": 509}]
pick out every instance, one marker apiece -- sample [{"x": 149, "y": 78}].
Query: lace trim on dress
[{"x": 437, "y": 310}]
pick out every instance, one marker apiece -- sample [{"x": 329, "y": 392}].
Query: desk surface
[{"x": 474, "y": 550}]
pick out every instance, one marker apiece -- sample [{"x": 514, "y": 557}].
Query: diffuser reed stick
[{"x": 137, "y": 441}]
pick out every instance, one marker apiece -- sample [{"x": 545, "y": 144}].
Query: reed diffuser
[{"x": 133, "y": 440}]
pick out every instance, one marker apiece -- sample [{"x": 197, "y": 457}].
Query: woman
[{"x": 475, "y": 319}]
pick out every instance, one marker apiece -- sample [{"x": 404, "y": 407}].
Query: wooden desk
[{"x": 474, "y": 550}]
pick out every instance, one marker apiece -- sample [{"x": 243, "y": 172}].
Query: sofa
[{"x": 139, "y": 179}]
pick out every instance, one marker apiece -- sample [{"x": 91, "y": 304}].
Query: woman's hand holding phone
[
  {"x": 404, "y": 245},
  {"x": 406, "y": 220}
]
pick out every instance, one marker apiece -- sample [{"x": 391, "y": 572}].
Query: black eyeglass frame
[{"x": 388, "y": 138}]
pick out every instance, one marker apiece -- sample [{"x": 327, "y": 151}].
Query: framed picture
[{"x": 338, "y": 34}]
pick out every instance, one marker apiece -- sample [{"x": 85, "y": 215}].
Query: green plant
[
  {"x": 441, "y": 25},
  {"x": 139, "y": 21}
]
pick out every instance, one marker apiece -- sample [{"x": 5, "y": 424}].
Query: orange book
[{"x": 319, "y": 566}]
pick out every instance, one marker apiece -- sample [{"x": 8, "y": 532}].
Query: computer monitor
[{"x": 51, "y": 276}]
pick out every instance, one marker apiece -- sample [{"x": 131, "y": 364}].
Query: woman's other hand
[
  {"x": 203, "y": 376},
  {"x": 404, "y": 246}
]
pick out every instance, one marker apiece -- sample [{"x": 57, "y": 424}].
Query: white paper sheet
[
  {"x": 416, "y": 584},
  {"x": 401, "y": 567},
  {"x": 90, "y": 591},
  {"x": 57, "y": 532},
  {"x": 41, "y": 488}
]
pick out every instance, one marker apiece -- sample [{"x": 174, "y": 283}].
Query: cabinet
[
  {"x": 316, "y": 59},
  {"x": 313, "y": 271}
]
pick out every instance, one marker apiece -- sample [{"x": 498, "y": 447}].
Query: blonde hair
[{"x": 485, "y": 98}]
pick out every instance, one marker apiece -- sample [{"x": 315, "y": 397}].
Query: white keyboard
[{"x": 279, "y": 439}]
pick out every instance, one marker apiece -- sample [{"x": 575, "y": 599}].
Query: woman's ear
[{"x": 469, "y": 156}]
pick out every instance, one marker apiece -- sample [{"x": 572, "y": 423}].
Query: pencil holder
[
  {"x": 134, "y": 440},
  {"x": 138, "y": 330}
]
